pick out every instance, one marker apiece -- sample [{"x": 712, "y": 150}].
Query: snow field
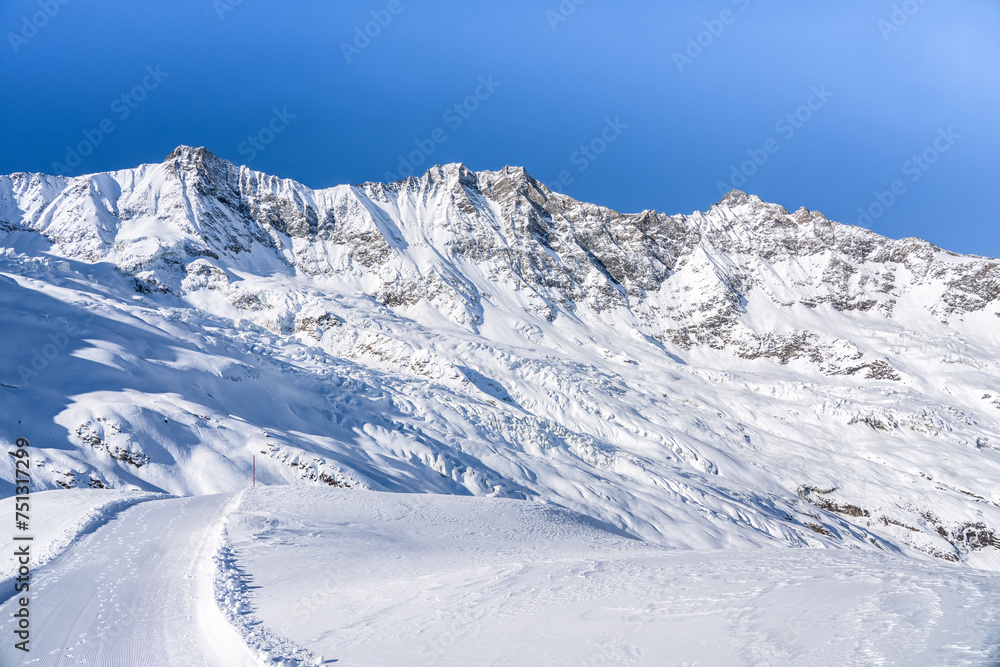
[{"x": 370, "y": 578}]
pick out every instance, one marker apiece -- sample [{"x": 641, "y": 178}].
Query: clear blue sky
[{"x": 674, "y": 126}]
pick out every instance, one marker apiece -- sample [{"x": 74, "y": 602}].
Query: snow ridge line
[
  {"x": 233, "y": 598},
  {"x": 85, "y": 525}
]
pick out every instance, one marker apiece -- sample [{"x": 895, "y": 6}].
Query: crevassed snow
[
  {"x": 818, "y": 400},
  {"x": 735, "y": 377}
]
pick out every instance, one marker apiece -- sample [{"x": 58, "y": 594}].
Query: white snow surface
[
  {"x": 139, "y": 590},
  {"x": 300, "y": 576},
  {"x": 740, "y": 382},
  {"x": 59, "y": 518},
  {"x": 739, "y": 377},
  {"x": 368, "y": 578}
]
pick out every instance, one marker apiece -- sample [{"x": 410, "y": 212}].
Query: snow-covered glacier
[{"x": 740, "y": 377}]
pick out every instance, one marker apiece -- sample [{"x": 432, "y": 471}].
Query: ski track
[
  {"x": 751, "y": 379},
  {"x": 59, "y": 530},
  {"x": 385, "y": 579},
  {"x": 137, "y": 591}
]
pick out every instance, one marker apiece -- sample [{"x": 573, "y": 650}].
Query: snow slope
[
  {"x": 739, "y": 377},
  {"x": 368, "y": 578},
  {"x": 139, "y": 590},
  {"x": 60, "y": 518},
  {"x": 295, "y": 575}
]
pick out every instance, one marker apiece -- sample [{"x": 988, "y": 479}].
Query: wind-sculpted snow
[
  {"x": 743, "y": 376},
  {"x": 387, "y": 579}
]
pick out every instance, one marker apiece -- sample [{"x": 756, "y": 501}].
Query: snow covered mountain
[{"x": 743, "y": 376}]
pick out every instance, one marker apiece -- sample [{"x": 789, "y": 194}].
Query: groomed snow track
[{"x": 136, "y": 591}]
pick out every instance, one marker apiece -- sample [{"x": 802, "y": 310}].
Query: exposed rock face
[
  {"x": 694, "y": 280},
  {"x": 702, "y": 369}
]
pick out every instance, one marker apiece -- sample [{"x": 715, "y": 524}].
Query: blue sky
[{"x": 882, "y": 107}]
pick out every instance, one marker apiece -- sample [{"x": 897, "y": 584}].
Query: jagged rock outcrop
[
  {"x": 742, "y": 375},
  {"x": 694, "y": 280}
]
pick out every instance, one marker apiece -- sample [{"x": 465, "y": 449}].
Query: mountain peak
[
  {"x": 199, "y": 164},
  {"x": 190, "y": 152},
  {"x": 579, "y": 327},
  {"x": 737, "y": 197},
  {"x": 443, "y": 171}
]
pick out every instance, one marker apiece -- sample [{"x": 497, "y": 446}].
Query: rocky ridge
[{"x": 744, "y": 370}]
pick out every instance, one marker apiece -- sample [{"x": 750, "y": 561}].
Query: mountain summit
[{"x": 743, "y": 375}]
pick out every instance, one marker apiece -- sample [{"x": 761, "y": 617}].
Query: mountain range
[{"x": 743, "y": 376}]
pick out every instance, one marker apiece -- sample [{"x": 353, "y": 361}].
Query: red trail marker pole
[{"x": 255, "y": 470}]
